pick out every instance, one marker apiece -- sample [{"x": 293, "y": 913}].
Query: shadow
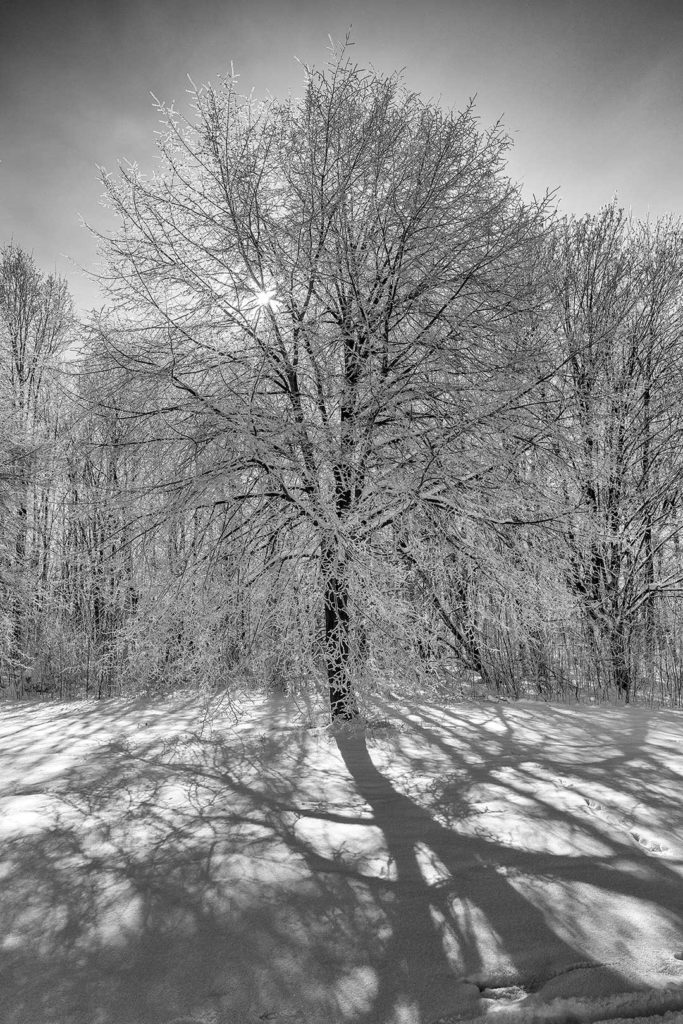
[
  {"x": 469, "y": 906},
  {"x": 154, "y": 882},
  {"x": 164, "y": 861}
]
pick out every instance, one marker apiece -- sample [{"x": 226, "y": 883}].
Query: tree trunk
[
  {"x": 343, "y": 704},
  {"x": 650, "y": 640},
  {"x": 620, "y": 663}
]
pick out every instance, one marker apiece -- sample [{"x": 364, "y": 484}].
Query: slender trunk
[
  {"x": 20, "y": 601},
  {"x": 648, "y": 539}
]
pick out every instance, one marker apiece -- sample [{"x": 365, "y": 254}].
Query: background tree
[
  {"x": 36, "y": 319},
  {"x": 617, "y": 303}
]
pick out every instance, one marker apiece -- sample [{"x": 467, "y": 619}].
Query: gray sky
[{"x": 590, "y": 90}]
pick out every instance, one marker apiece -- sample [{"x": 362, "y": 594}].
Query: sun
[{"x": 265, "y": 298}]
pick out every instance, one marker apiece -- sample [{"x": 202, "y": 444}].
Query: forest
[{"x": 355, "y": 414}]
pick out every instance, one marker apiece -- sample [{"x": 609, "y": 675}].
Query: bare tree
[
  {"x": 619, "y": 316},
  {"x": 36, "y": 319},
  {"x": 306, "y": 293}
]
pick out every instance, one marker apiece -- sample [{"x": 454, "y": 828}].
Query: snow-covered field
[{"x": 493, "y": 862}]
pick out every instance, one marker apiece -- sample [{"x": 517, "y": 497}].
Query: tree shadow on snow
[{"x": 279, "y": 874}]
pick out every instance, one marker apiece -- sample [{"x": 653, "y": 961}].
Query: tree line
[{"x": 355, "y": 411}]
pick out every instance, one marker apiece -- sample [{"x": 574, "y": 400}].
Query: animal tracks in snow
[
  {"x": 613, "y": 817},
  {"x": 616, "y": 820},
  {"x": 651, "y": 845},
  {"x": 508, "y": 806}
]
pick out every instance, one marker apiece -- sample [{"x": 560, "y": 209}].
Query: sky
[{"x": 590, "y": 91}]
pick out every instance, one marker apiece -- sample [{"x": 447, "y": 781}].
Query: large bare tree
[{"x": 316, "y": 301}]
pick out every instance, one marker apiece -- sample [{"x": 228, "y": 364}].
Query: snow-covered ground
[{"x": 478, "y": 861}]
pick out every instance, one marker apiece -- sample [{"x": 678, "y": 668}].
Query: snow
[{"x": 196, "y": 862}]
